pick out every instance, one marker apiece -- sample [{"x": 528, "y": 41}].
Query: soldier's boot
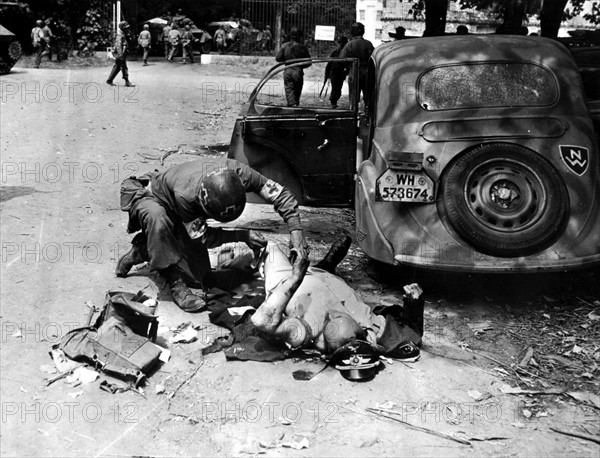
[
  {"x": 136, "y": 255},
  {"x": 185, "y": 299},
  {"x": 129, "y": 83},
  {"x": 336, "y": 253},
  {"x": 112, "y": 76}
]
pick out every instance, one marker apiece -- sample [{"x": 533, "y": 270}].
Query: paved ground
[{"x": 67, "y": 140}]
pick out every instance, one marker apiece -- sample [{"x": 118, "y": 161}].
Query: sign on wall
[{"x": 325, "y": 32}]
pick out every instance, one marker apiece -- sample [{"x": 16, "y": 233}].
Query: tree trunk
[
  {"x": 514, "y": 14},
  {"x": 278, "y": 16},
  {"x": 435, "y": 17},
  {"x": 551, "y": 17}
]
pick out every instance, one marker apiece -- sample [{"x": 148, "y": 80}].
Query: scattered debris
[
  {"x": 383, "y": 413},
  {"x": 369, "y": 443},
  {"x": 83, "y": 375},
  {"x": 587, "y": 437},
  {"x": 586, "y": 397},
  {"x": 284, "y": 421},
  {"x": 165, "y": 355},
  {"x": 527, "y": 357},
  {"x": 594, "y": 315},
  {"x": 184, "y": 333},
  {"x": 186, "y": 381},
  {"x": 506, "y": 389},
  {"x": 208, "y": 113},
  {"x": 297, "y": 445},
  {"x": 387, "y": 405},
  {"x": 477, "y": 396},
  {"x": 480, "y": 328}
]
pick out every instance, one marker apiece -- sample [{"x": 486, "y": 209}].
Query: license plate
[{"x": 404, "y": 186}]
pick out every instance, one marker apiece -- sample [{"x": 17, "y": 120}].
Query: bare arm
[{"x": 270, "y": 313}]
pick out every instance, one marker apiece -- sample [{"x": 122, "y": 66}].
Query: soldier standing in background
[
  {"x": 221, "y": 39},
  {"x": 362, "y": 49},
  {"x": 165, "y": 38},
  {"x": 120, "y": 49},
  {"x": 336, "y": 73},
  {"x": 267, "y": 39},
  {"x": 187, "y": 39},
  {"x": 399, "y": 34},
  {"x": 293, "y": 77},
  {"x": 144, "y": 42},
  {"x": 49, "y": 36},
  {"x": 38, "y": 41},
  {"x": 174, "y": 40}
]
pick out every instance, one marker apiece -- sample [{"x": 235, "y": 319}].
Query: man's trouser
[
  {"x": 337, "y": 82},
  {"x": 167, "y": 49},
  {"x": 188, "y": 52},
  {"x": 174, "y": 49},
  {"x": 169, "y": 246},
  {"x": 362, "y": 85},
  {"x": 119, "y": 66},
  {"x": 293, "y": 80},
  {"x": 40, "y": 49}
]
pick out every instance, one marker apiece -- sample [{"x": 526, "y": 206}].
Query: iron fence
[{"x": 282, "y": 15}]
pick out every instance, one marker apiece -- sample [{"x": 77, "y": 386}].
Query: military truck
[{"x": 10, "y": 50}]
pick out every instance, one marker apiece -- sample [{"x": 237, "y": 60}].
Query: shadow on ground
[
  {"x": 10, "y": 192},
  {"x": 507, "y": 286}
]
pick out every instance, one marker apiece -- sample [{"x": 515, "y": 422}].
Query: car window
[
  {"x": 316, "y": 90},
  {"x": 502, "y": 84}
]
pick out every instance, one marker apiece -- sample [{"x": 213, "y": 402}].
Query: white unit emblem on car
[{"x": 576, "y": 158}]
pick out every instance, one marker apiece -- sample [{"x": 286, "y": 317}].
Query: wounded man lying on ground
[{"x": 311, "y": 307}]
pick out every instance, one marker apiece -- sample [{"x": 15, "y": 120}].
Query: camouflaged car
[{"x": 473, "y": 153}]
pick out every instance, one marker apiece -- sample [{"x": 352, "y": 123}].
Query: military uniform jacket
[
  {"x": 187, "y": 38},
  {"x": 144, "y": 39},
  {"x": 360, "y": 48},
  {"x": 178, "y": 188},
  {"x": 293, "y": 50},
  {"x": 120, "y": 46}
]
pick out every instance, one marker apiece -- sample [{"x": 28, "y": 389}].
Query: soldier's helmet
[
  {"x": 222, "y": 195},
  {"x": 123, "y": 25}
]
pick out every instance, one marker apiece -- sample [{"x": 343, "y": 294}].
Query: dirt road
[{"x": 68, "y": 139}]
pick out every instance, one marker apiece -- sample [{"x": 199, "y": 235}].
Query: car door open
[{"x": 309, "y": 148}]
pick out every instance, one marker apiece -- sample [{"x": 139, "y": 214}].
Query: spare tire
[{"x": 505, "y": 200}]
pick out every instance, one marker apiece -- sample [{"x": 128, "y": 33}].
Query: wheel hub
[{"x": 504, "y": 193}]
